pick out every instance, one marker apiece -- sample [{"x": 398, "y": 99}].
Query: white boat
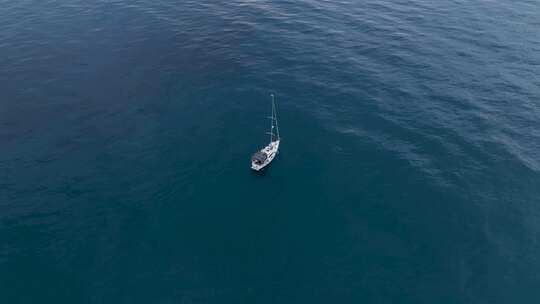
[{"x": 266, "y": 155}]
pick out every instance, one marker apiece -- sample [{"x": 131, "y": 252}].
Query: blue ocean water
[{"x": 409, "y": 169}]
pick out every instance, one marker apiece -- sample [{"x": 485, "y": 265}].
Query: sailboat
[{"x": 266, "y": 155}]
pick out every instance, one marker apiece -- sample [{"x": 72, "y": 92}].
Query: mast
[
  {"x": 272, "y": 120},
  {"x": 275, "y": 116}
]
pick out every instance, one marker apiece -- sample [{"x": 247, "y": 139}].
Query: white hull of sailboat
[{"x": 271, "y": 151}]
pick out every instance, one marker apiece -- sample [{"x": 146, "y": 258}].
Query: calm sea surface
[{"x": 409, "y": 169}]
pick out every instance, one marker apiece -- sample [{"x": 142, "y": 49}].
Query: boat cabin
[{"x": 259, "y": 158}]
